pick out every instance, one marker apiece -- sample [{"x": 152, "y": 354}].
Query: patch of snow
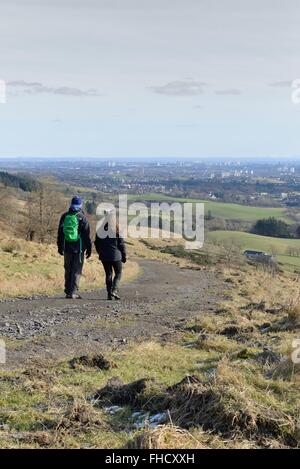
[{"x": 113, "y": 409}]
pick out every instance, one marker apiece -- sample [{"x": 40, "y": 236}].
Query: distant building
[
  {"x": 261, "y": 257},
  {"x": 249, "y": 253}
]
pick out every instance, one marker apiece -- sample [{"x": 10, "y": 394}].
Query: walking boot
[{"x": 115, "y": 295}]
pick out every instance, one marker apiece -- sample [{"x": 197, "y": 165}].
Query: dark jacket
[
  {"x": 111, "y": 249},
  {"x": 84, "y": 231}
]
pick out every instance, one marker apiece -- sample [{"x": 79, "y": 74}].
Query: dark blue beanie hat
[{"x": 76, "y": 203}]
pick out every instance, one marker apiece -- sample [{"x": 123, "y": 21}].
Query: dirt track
[{"x": 155, "y": 305}]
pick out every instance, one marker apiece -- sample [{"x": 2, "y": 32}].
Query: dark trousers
[
  {"x": 112, "y": 283},
  {"x": 73, "y": 270}
]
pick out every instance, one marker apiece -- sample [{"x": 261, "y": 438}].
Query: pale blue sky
[{"x": 122, "y": 78}]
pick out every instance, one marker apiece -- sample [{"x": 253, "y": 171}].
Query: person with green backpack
[{"x": 74, "y": 242}]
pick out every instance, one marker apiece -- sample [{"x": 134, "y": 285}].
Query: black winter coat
[{"x": 111, "y": 249}]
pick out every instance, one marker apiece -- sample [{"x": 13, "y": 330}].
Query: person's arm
[
  {"x": 122, "y": 248},
  {"x": 98, "y": 245},
  {"x": 86, "y": 237},
  {"x": 60, "y": 236}
]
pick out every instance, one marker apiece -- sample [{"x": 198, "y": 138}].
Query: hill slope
[{"x": 204, "y": 351}]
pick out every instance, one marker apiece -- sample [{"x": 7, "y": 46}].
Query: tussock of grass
[
  {"x": 287, "y": 370},
  {"x": 235, "y": 404},
  {"x": 11, "y": 245},
  {"x": 217, "y": 343},
  {"x": 142, "y": 394},
  {"x": 92, "y": 361},
  {"x": 165, "y": 437},
  {"x": 205, "y": 323},
  {"x": 290, "y": 317},
  {"x": 231, "y": 404},
  {"x": 293, "y": 310},
  {"x": 172, "y": 437},
  {"x": 79, "y": 414}
]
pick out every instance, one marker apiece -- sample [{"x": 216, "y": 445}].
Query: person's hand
[
  {"x": 88, "y": 255},
  {"x": 60, "y": 252},
  {"x": 124, "y": 260}
]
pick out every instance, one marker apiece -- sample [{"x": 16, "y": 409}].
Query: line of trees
[
  {"x": 272, "y": 227},
  {"x": 20, "y": 181}
]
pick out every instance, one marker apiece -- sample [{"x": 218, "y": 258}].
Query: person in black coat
[{"x": 111, "y": 249}]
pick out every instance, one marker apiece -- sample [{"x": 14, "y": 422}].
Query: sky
[{"x": 149, "y": 78}]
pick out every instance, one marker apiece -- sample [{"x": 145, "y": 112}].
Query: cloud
[
  {"x": 180, "y": 88},
  {"x": 38, "y": 88},
  {"x": 228, "y": 91},
  {"x": 281, "y": 84},
  {"x": 24, "y": 84}
]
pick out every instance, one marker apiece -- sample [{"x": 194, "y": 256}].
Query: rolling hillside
[{"x": 226, "y": 211}]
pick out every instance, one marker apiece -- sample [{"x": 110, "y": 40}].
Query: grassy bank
[
  {"x": 29, "y": 268},
  {"x": 224, "y": 379}
]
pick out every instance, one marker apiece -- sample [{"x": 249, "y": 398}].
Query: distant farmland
[
  {"x": 262, "y": 243},
  {"x": 243, "y": 213}
]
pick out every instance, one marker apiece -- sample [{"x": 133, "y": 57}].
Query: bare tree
[
  {"x": 273, "y": 250},
  {"x": 42, "y": 215}
]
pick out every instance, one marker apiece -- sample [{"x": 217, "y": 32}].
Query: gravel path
[{"x": 154, "y": 306}]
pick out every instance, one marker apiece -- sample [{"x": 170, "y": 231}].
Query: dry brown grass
[
  {"x": 234, "y": 403},
  {"x": 293, "y": 310},
  {"x": 238, "y": 407},
  {"x": 251, "y": 285},
  {"x": 217, "y": 343},
  {"x": 172, "y": 437},
  {"x": 165, "y": 437},
  {"x": 237, "y": 404},
  {"x": 143, "y": 393},
  {"x": 29, "y": 268},
  {"x": 80, "y": 414},
  {"x": 92, "y": 361}
]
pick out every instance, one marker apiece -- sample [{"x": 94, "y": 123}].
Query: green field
[
  {"x": 262, "y": 243},
  {"x": 227, "y": 211}
]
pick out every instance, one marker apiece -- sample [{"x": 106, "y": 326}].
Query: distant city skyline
[{"x": 133, "y": 78}]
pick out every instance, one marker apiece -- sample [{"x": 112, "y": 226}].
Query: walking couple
[{"x": 74, "y": 243}]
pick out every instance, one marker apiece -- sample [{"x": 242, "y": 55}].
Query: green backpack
[{"x": 71, "y": 228}]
